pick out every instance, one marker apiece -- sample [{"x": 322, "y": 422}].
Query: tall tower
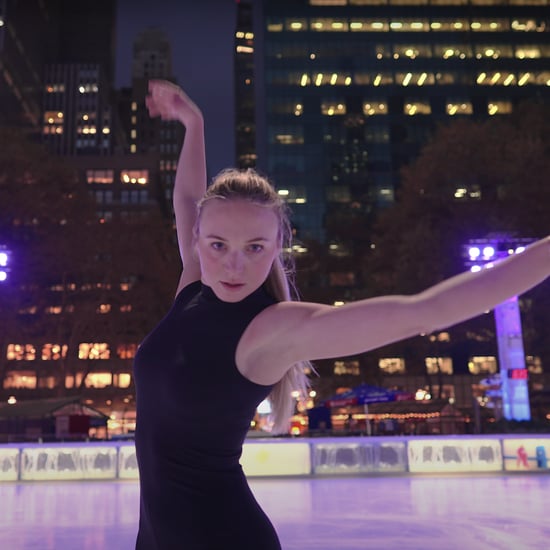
[{"x": 152, "y": 58}]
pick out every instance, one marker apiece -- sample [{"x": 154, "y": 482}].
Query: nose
[{"x": 234, "y": 262}]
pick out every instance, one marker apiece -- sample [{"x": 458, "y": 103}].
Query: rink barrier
[{"x": 110, "y": 460}]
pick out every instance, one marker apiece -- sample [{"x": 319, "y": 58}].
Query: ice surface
[{"x": 383, "y": 512}]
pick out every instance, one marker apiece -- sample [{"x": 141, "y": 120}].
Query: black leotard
[{"x": 193, "y": 413}]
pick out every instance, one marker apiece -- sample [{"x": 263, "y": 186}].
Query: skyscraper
[{"x": 353, "y": 88}]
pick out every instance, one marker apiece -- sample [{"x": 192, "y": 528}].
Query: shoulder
[{"x": 272, "y": 335}]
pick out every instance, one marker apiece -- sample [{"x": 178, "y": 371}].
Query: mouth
[{"x": 231, "y": 286}]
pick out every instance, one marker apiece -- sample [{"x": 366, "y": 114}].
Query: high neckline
[{"x": 208, "y": 295}]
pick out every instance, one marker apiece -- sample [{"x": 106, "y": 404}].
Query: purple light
[
  {"x": 3, "y": 259},
  {"x": 488, "y": 252},
  {"x": 3, "y": 276},
  {"x": 474, "y": 252}
]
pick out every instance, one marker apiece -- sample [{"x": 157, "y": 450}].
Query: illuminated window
[
  {"x": 499, "y": 107},
  {"x": 489, "y": 25},
  {"x": 482, "y": 365},
  {"x": 417, "y": 107},
  {"x": 414, "y": 79},
  {"x": 55, "y": 88},
  {"x": 346, "y": 367},
  {"x": 126, "y": 351},
  {"x": 435, "y": 365},
  {"x": 333, "y": 107},
  {"x": 375, "y": 108},
  {"x": 274, "y": 26},
  {"x": 329, "y": 25},
  {"x": 409, "y": 25},
  {"x": 134, "y": 177},
  {"x": 53, "y": 310},
  {"x": 21, "y": 352},
  {"x": 286, "y": 135},
  {"x": 528, "y": 52},
  {"x": 103, "y": 308},
  {"x": 453, "y": 25},
  {"x": 20, "y": 380},
  {"x": 122, "y": 380},
  {"x": 88, "y": 88},
  {"x": 392, "y": 365},
  {"x": 94, "y": 351},
  {"x": 527, "y": 25},
  {"x": 48, "y": 382},
  {"x": 98, "y": 379},
  {"x": 459, "y": 107},
  {"x": 468, "y": 192},
  {"x": 295, "y": 24},
  {"x": 493, "y": 51},
  {"x": 53, "y": 122},
  {"x": 74, "y": 380},
  {"x": 53, "y": 352},
  {"x": 411, "y": 51},
  {"x": 293, "y": 194},
  {"x": 534, "y": 364},
  {"x": 100, "y": 176},
  {"x": 452, "y": 51}
]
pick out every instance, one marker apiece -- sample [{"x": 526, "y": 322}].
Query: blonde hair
[{"x": 247, "y": 184}]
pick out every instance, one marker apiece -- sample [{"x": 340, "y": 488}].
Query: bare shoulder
[{"x": 267, "y": 348}]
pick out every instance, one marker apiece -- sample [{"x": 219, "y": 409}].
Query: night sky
[{"x": 202, "y": 36}]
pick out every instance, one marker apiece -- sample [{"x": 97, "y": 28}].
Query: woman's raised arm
[
  {"x": 316, "y": 331},
  {"x": 170, "y": 102}
]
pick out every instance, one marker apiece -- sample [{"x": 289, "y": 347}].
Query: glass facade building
[{"x": 349, "y": 90}]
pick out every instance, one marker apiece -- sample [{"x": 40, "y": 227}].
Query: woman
[{"x": 234, "y": 336}]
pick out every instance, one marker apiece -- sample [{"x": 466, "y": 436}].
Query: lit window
[
  {"x": 417, "y": 107},
  {"x": 333, "y": 107},
  {"x": 435, "y": 365},
  {"x": 122, "y": 380},
  {"x": 499, "y": 107},
  {"x": 375, "y": 108},
  {"x": 458, "y": 107},
  {"x": 482, "y": 365},
  {"x": 21, "y": 352},
  {"x": 134, "y": 177},
  {"x": 126, "y": 351},
  {"x": 94, "y": 351},
  {"x": 100, "y": 176},
  {"x": 98, "y": 379},
  {"x": 20, "y": 380},
  {"x": 53, "y": 352},
  {"x": 346, "y": 367},
  {"x": 392, "y": 365}
]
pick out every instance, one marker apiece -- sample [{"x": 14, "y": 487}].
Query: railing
[{"x": 116, "y": 460}]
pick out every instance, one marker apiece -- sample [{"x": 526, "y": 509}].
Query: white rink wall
[{"x": 293, "y": 457}]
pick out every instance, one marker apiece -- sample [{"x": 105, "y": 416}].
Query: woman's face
[{"x": 237, "y": 243}]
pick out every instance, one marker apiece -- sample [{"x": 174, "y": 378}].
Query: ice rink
[{"x": 420, "y": 512}]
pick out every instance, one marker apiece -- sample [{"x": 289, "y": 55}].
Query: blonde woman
[{"x": 235, "y": 336}]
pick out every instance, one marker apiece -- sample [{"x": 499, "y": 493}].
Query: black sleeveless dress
[{"x": 193, "y": 413}]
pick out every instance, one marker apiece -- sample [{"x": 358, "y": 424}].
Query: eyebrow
[{"x": 217, "y": 237}]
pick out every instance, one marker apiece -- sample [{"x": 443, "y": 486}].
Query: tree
[
  {"x": 74, "y": 280},
  {"x": 472, "y": 180}
]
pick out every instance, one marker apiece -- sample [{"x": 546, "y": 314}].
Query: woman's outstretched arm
[
  {"x": 170, "y": 102},
  {"x": 292, "y": 331}
]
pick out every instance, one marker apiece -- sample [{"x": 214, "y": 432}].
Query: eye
[
  {"x": 217, "y": 245},
  {"x": 255, "y": 248}
]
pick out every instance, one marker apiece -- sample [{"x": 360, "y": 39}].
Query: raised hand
[{"x": 170, "y": 102}]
